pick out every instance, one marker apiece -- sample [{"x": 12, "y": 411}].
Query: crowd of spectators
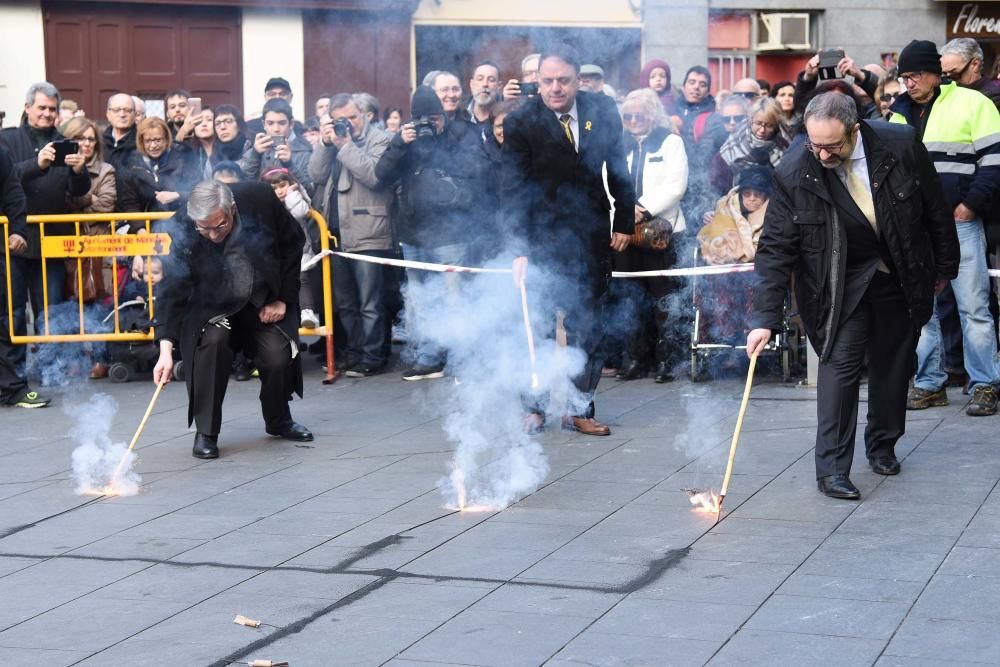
[{"x": 424, "y": 188}]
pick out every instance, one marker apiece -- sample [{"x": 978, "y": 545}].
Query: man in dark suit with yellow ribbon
[{"x": 556, "y": 148}]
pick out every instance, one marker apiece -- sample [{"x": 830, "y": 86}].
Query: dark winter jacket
[
  {"x": 140, "y": 179},
  {"x": 12, "y": 203},
  {"x": 804, "y": 234},
  {"x": 45, "y": 190},
  {"x": 117, "y": 151},
  {"x": 440, "y": 178}
]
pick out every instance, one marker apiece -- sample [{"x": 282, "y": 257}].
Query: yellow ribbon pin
[{"x": 587, "y": 126}]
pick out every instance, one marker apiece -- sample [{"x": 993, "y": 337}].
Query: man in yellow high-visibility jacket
[{"x": 961, "y": 129}]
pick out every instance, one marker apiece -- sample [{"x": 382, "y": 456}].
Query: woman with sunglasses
[{"x": 659, "y": 169}]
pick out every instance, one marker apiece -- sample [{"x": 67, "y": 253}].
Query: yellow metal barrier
[{"x": 118, "y": 245}]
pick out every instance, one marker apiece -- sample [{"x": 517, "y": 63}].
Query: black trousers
[
  {"x": 12, "y": 380},
  {"x": 880, "y": 326},
  {"x": 213, "y": 360}
]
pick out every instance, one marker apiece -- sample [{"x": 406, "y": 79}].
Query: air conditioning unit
[{"x": 783, "y": 31}]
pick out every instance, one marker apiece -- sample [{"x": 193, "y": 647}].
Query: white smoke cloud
[{"x": 100, "y": 465}]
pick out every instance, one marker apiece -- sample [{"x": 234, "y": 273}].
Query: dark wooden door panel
[{"x": 94, "y": 50}]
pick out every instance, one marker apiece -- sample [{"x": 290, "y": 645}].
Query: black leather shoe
[
  {"x": 663, "y": 373},
  {"x": 885, "y": 465},
  {"x": 838, "y": 486},
  {"x": 295, "y": 432},
  {"x": 633, "y": 371},
  {"x": 205, "y": 446}
]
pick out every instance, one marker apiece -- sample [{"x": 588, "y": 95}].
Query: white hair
[{"x": 208, "y": 197}]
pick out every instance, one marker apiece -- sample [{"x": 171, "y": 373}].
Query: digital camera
[
  {"x": 341, "y": 127},
  {"x": 425, "y": 127}
]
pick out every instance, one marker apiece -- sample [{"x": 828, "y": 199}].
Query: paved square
[{"x": 344, "y": 551}]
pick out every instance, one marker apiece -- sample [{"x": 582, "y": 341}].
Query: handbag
[
  {"x": 93, "y": 272},
  {"x": 652, "y": 234}
]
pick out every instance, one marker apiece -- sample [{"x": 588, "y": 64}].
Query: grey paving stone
[
  {"x": 944, "y": 640},
  {"x": 830, "y": 617},
  {"x": 40, "y": 657},
  {"x": 176, "y": 583},
  {"x": 973, "y": 562},
  {"x": 140, "y": 653},
  {"x": 899, "y": 661},
  {"x": 89, "y": 623},
  {"x": 247, "y": 548},
  {"x": 612, "y": 548},
  {"x": 872, "y": 563},
  {"x": 496, "y": 535},
  {"x": 900, "y": 518},
  {"x": 559, "y": 517},
  {"x": 756, "y": 548},
  {"x": 764, "y": 647},
  {"x": 296, "y": 583},
  {"x": 982, "y": 531},
  {"x": 962, "y": 598},
  {"x": 718, "y": 581},
  {"x": 468, "y": 565},
  {"x": 672, "y": 618},
  {"x": 736, "y": 525},
  {"x": 11, "y": 564},
  {"x": 603, "y": 575},
  {"x": 541, "y": 598},
  {"x": 851, "y": 588},
  {"x": 482, "y": 637},
  {"x": 597, "y": 648},
  {"x": 575, "y": 495}
]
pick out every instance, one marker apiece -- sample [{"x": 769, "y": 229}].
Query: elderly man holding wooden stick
[
  {"x": 232, "y": 285},
  {"x": 859, "y": 219}
]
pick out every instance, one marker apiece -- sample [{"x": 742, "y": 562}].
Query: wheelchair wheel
[
  {"x": 120, "y": 372},
  {"x": 178, "y": 371}
]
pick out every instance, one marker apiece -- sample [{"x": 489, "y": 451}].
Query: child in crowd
[{"x": 298, "y": 204}]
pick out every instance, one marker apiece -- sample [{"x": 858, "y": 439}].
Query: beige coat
[
  {"x": 102, "y": 197},
  {"x": 731, "y": 237}
]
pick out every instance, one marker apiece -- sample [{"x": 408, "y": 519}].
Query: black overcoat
[{"x": 194, "y": 290}]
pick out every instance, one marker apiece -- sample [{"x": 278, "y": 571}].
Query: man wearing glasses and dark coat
[
  {"x": 857, "y": 216},
  {"x": 231, "y": 283}
]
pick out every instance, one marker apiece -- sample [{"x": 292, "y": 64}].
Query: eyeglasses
[
  {"x": 638, "y": 117},
  {"x": 912, "y": 77},
  {"x": 829, "y": 148},
  {"x": 87, "y": 140},
  {"x": 449, "y": 89},
  {"x": 957, "y": 74},
  {"x": 153, "y": 141},
  {"x": 761, "y": 125},
  {"x": 222, "y": 122},
  {"x": 215, "y": 229},
  {"x": 733, "y": 120},
  {"x": 889, "y": 97},
  {"x": 121, "y": 110},
  {"x": 749, "y": 96}
]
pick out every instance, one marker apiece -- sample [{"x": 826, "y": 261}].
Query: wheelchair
[{"x": 788, "y": 345}]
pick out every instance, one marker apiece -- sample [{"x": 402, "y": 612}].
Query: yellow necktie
[
  {"x": 863, "y": 198},
  {"x": 564, "y": 121}
]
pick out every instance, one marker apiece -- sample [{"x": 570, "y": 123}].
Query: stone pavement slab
[{"x": 344, "y": 550}]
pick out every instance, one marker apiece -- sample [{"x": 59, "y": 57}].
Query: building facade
[{"x": 225, "y": 50}]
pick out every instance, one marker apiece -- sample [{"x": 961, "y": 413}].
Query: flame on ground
[
  {"x": 462, "y": 497},
  {"x": 704, "y": 501}
]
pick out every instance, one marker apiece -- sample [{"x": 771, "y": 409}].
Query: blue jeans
[
  {"x": 972, "y": 292},
  {"x": 424, "y": 293},
  {"x": 359, "y": 297}
]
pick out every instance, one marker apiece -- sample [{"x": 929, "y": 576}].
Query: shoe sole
[
  {"x": 883, "y": 472},
  {"x": 924, "y": 406},
  {"x": 29, "y": 406},
  {"x": 429, "y": 376},
  {"x": 205, "y": 456},
  {"x": 970, "y": 413},
  {"x": 842, "y": 497}
]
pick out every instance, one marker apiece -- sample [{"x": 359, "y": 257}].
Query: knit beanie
[
  {"x": 756, "y": 178},
  {"x": 425, "y": 102},
  {"x": 648, "y": 69},
  {"x": 920, "y": 55}
]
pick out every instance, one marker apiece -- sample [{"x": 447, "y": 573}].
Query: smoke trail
[
  {"x": 481, "y": 327},
  {"x": 96, "y": 458}
]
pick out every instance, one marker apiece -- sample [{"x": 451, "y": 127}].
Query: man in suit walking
[
  {"x": 556, "y": 147},
  {"x": 858, "y": 216}
]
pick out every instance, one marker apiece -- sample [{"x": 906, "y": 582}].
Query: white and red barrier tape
[
  {"x": 448, "y": 268},
  {"x": 707, "y": 270}
]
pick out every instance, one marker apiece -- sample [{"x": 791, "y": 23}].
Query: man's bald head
[
  {"x": 121, "y": 112},
  {"x": 747, "y": 88}
]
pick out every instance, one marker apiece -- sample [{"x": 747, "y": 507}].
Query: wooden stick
[
  {"x": 736, "y": 435},
  {"x": 531, "y": 336},
  {"x": 142, "y": 425}
]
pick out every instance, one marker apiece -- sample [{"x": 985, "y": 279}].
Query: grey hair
[
  {"x": 528, "y": 58},
  {"x": 431, "y": 78},
  {"x": 735, "y": 101},
  {"x": 832, "y": 106},
  {"x": 650, "y": 104},
  {"x": 366, "y": 102},
  {"x": 43, "y": 87},
  {"x": 126, "y": 95},
  {"x": 965, "y": 47},
  {"x": 208, "y": 197}
]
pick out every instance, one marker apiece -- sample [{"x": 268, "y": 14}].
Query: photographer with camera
[
  {"x": 349, "y": 196},
  {"x": 832, "y": 64},
  {"x": 278, "y": 146},
  {"x": 438, "y": 165}
]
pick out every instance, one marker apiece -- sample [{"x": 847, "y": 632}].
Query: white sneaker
[{"x": 309, "y": 319}]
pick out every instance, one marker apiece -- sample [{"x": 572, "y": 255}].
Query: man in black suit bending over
[
  {"x": 230, "y": 284},
  {"x": 555, "y": 149}
]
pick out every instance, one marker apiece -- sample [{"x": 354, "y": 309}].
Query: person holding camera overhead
[
  {"x": 349, "y": 196},
  {"x": 278, "y": 146},
  {"x": 50, "y": 169},
  {"x": 438, "y": 166}
]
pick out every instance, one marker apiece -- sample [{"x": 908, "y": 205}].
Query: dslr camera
[
  {"x": 425, "y": 127},
  {"x": 341, "y": 127}
]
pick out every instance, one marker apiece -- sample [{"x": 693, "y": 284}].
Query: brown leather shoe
[
  {"x": 586, "y": 425},
  {"x": 98, "y": 371}
]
